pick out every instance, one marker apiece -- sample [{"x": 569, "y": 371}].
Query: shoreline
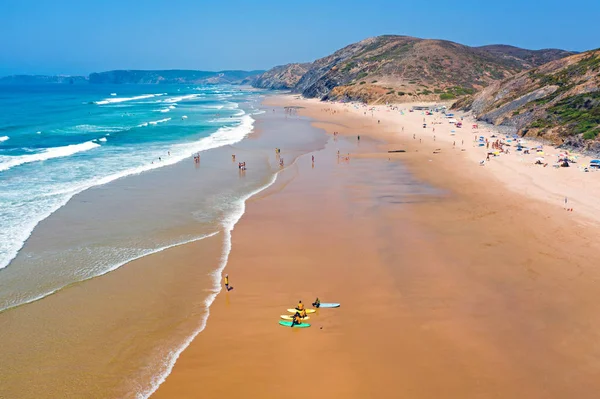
[
  {"x": 449, "y": 234},
  {"x": 58, "y": 304},
  {"x": 444, "y": 218}
]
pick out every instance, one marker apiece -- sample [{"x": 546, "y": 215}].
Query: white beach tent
[{"x": 452, "y": 120}]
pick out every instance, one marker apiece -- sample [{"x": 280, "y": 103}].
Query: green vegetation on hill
[
  {"x": 579, "y": 114},
  {"x": 559, "y": 101}
]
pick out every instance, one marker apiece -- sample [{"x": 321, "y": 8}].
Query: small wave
[
  {"x": 94, "y": 129},
  {"x": 172, "y": 106},
  {"x": 180, "y": 98},
  {"x": 159, "y": 121},
  {"x": 144, "y": 253},
  {"x": 102, "y": 139},
  {"x": 8, "y": 162},
  {"x": 4, "y": 138},
  {"x": 165, "y": 110},
  {"x": 228, "y": 226},
  {"x": 154, "y": 122},
  {"x": 123, "y": 99}
]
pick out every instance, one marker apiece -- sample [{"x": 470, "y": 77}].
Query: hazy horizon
[{"x": 77, "y": 38}]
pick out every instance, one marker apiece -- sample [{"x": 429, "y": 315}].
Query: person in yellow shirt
[
  {"x": 302, "y": 313},
  {"x": 300, "y": 306},
  {"x": 227, "y": 282}
]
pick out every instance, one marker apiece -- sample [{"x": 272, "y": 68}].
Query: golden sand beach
[
  {"x": 482, "y": 287},
  {"x": 455, "y": 280}
]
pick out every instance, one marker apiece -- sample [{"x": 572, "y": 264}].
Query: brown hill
[
  {"x": 281, "y": 77},
  {"x": 558, "y": 101},
  {"x": 403, "y": 68},
  {"x": 523, "y": 58}
]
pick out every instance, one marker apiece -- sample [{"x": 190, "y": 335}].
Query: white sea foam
[
  {"x": 180, "y": 98},
  {"x": 7, "y": 162},
  {"x": 228, "y": 225},
  {"x": 172, "y": 106},
  {"x": 92, "y": 129},
  {"x": 159, "y": 121},
  {"x": 4, "y": 138},
  {"x": 154, "y": 122},
  {"x": 114, "y": 267},
  {"x": 102, "y": 139},
  {"x": 165, "y": 110},
  {"x": 223, "y": 136},
  {"x": 124, "y": 99}
]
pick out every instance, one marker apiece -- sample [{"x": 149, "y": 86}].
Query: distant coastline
[{"x": 173, "y": 76}]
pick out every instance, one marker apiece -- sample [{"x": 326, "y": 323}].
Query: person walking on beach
[{"x": 227, "y": 283}]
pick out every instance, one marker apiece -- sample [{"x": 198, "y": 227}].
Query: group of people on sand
[
  {"x": 301, "y": 312},
  {"x": 242, "y": 166}
]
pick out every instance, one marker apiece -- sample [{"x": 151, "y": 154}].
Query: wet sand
[
  {"x": 458, "y": 289},
  {"x": 116, "y": 336}
]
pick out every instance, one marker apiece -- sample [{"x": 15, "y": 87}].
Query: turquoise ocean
[{"x": 57, "y": 141}]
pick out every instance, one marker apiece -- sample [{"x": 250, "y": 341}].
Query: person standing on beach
[{"x": 227, "y": 282}]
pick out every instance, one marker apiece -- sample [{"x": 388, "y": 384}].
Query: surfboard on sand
[{"x": 289, "y": 324}]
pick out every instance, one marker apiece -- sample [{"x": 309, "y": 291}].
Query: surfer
[
  {"x": 300, "y": 306},
  {"x": 317, "y": 303},
  {"x": 302, "y": 313},
  {"x": 297, "y": 319}
]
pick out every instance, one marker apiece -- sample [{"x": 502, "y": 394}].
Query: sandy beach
[{"x": 456, "y": 280}]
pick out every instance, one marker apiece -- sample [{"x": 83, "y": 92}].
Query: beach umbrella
[{"x": 541, "y": 159}]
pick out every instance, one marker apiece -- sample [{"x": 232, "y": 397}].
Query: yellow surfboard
[
  {"x": 290, "y": 318},
  {"x": 307, "y": 310}
]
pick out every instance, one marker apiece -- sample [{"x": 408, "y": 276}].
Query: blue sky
[{"x": 79, "y": 37}]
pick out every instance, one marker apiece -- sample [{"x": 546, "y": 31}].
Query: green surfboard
[{"x": 289, "y": 324}]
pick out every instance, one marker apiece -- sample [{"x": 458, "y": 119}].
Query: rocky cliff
[
  {"x": 282, "y": 77},
  {"x": 558, "y": 101}
]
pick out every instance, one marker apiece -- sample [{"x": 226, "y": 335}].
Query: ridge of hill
[{"x": 395, "y": 68}]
